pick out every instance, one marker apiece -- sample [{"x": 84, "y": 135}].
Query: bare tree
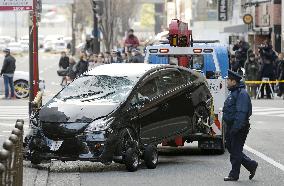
[{"x": 115, "y": 13}]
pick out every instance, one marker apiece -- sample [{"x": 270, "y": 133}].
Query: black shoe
[
  {"x": 229, "y": 178},
  {"x": 252, "y": 173}
]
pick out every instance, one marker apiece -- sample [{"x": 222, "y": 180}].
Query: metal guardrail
[{"x": 11, "y": 157}]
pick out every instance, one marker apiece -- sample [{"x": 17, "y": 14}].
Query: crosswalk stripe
[
  {"x": 268, "y": 111},
  {"x": 13, "y": 107}
]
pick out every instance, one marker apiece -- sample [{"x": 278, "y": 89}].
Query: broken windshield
[{"x": 98, "y": 88}]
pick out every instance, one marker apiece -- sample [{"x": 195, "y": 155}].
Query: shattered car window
[{"x": 98, "y": 88}]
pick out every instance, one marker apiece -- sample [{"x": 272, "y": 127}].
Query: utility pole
[
  {"x": 35, "y": 49},
  {"x": 97, "y": 9},
  {"x": 33, "y": 52},
  {"x": 31, "y": 68}
]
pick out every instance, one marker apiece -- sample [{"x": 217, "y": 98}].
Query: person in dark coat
[
  {"x": 64, "y": 61},
  {"x": 71, "y": 71},
  {"x": 236, "y": 112},
  {"x": 82, "y": 65},
  {"x": 63, "y": 64},
  {"x": 116, "y": 57},
  {"x": 242, "y": 47},
  {"x": 267, "y": 71},
  {"x": 136, "y": 57},
  {"x": 8, "y": 70},
  {"x": 235, "y": 62},
  {"x": 252, "y": 70}
]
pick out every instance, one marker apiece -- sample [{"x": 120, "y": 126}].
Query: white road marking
[
  {"x": 14, "y": 112},
  {"x": 268, "y": 111},
  {"x": 264, "y": 157},
  {"x": 12, "y": 125}
]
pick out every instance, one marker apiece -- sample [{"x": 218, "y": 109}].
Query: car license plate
[{"x": 55, "y": 145}]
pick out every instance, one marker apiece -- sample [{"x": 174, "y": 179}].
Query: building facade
[{"x": 266, "y": 23}]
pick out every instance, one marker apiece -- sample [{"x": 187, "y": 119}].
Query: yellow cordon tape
[{"x": 263, "y": 82}]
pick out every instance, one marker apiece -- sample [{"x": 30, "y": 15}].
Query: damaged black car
[{"x": 117, "y": 113}]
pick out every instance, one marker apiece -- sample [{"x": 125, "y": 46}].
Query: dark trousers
[
  {"x": 267, "y": 90},
  {"x": 235, "y": 143},
  {"x": 8, "y": 81}
]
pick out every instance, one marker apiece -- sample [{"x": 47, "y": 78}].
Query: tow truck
[{"x": 208, "y": 58}]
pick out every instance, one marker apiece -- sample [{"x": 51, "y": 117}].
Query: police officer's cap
[
  {"x": 6, "y": 50},
  {"x": 234, "y": 76}
]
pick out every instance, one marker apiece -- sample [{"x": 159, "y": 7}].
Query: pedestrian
[
  {"x": 107, "y": 57},
  {"x": 131, "y": 41},
  {"x": 8, "y": 69},
  {"x": 136, "y": 56},
  {"x": 82, "y": 65},
  {"x": 92, "y": 61},
  {"x": 242, "y": 47},
  {"x": 267, "y": 70},
  {"x": 71, "y": 70},
  {"x": 63, "y": 64},
  {"x": 116, "y": 57},
  {"x": 280, "y": 74},
  {"x": 252, "y": 70},
  {"x": 236, "y": 112},
  {"x": 124, "y": 57},
  {"x": 235, "y": 63}
]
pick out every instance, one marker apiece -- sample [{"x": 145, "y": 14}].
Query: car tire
[
  {"x": 125, "y": 142},
  {"x": 200, "y": 112},
  {"x": 35, "y": 158},
  {"x": 151, "y": 157},
  {"x": 131, "y": 160},
  {"x": 21, "y": 89}
]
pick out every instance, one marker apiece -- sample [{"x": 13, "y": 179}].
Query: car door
[
  {"x": 171, "y": 87},
  {"x": 149, "y": 109}
]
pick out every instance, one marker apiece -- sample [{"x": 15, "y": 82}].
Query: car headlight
[{"x": 99, "y": 125}]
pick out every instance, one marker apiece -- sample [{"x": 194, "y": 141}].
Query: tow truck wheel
[
  {"x": 131, "y": 160},
  {"x": 222, "y": 141},
  {"x": 151, "y": 157}
]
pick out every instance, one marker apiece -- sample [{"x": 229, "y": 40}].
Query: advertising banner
[
  {"x": 222, "y": 10},
  {"x": 16, "y": 5}
]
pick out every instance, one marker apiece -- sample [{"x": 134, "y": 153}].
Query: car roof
[{"x": 123, "y": 69}]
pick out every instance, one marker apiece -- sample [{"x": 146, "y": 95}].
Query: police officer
[{"x": 236, "y": 112}]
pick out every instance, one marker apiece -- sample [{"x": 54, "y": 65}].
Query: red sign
[{"x": 16, "y": 5}]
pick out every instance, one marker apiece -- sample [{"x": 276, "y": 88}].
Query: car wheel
[
  {"x": 21, "y": 89},
  {"x": 35, "y": 158},
  {"x": 200, "y": 119},
  {"x": 126, "y": 140},
  {"x": 151, "y": 157},
  {"x": 131, "y": 160}
]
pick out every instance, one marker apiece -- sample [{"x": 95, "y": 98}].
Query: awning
[
  {"x": 262, "y": 30},
  {"x": 236, "y": 29}
]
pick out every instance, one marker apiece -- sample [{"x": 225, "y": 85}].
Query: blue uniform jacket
[{"x": 237, "y": 107}]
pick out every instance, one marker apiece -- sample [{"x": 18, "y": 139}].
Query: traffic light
[{"x": 98, "y": 7}]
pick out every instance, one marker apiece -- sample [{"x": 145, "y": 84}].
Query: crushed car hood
[{"x": 75, "y": 111}]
